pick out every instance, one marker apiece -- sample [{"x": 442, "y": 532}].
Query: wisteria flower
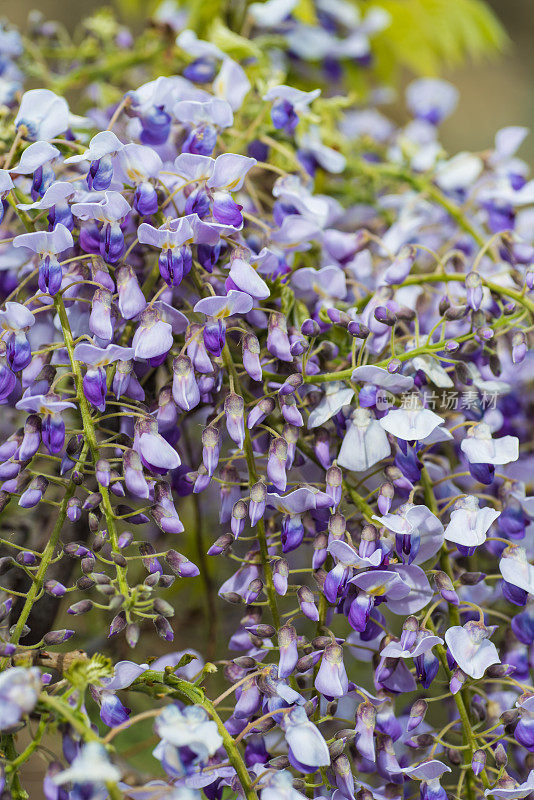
[
  {"x": 411, "y": 422},
  {"x": 49, "y": 408},
  {"x": 94, "y": 380},
  {"x": 469, "y": 523},
  {"x": 336, "y": 396},
  {"x": 365, "y": 443},
  {"x": 471, "y": 648},
  {"x": 100, "y": 152},
  {"x": 42, "y": 114},
  {"x": 109, "y": 212},
  {"x": 19, "y": 691},
  {"x": 418, "y": 532},
  {"x": 90, "y": 766},
  {"x": 47, "y": 246}
]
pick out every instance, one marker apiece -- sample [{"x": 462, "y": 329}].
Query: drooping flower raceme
[{"x": 265, "y": 377}]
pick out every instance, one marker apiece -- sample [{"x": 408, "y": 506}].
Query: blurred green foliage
[{"x": 424, "y": 36}]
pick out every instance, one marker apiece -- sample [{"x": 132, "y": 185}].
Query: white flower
[
  {"x": 91, "y": 765},
  {"x": 469, "y": 523},
  {"x": 480, "y": 448},
  {"x": 365, "y": 443},
  {"x": 411, "y": 422},
  {"x": 189, "y": 728},
  {"x": 471, "y": 649},
  {"x": 516, "y": 569},
  {"x": 335, "y": 397}
]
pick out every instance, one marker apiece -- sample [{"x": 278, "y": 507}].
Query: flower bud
[
  {"x": 417, "y": 714},
  {"x": 478, "y": 762},
  {"x": 57, "y": 637}
]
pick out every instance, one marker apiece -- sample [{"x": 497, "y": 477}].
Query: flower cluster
[{"x": 227, "y": 302}]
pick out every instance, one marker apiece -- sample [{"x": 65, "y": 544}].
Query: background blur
[{"x": 493, "y": 93}]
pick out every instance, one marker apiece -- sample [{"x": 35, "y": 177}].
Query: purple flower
[
  {"x": 49, "y": 408},
  {"x": 109, "y": 212},
  {"x": 94, "y": 380},
  {"x": 19, "y": 691},
  {"x": 431, "y": 99},
  {"x": 331, "y": 678},
  {"x": 47, "y": 245},
  {"x": 112, "y": 711}
]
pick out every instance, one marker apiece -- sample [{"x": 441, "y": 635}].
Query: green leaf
[
  {"x": 427, "y": 36},
  {"x": 85, "y": 671},
  {"x": 231, "y": 43},
  {"x": 287, "y": 300}
]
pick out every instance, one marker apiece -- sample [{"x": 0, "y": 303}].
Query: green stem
[
  {"x": 415, "y": 280},
  {"x": 190, "y": 693},
  {"x": 8, "y": 745},
  {"x": 461, "y": 698},
  {"x": 424, "y": 186},
  {"x": 113, "y": 65},
  {"x": 31, "y": 748},
  {"x": 46, "y": 557},
  {"x": 253, "y": 477},
  {"x": 90, "y": 435},
  {"x": 77, "y": 722}
]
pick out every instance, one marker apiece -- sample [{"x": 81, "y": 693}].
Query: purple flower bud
[
  {"x": 519, "y": 347},
  {"x": 181, "y": 565},
  {"x": 445, "y": 588},
  {"x": 239, "y": 514},
  {"x": 57, "y": 637},
  {"x": 131, "y": 298},
  {"x": 385, "y": 497},
  {"x": 256, "y": 508},
  {"x": 277, "y": 338},
  {"x": 74, "y": 509},
  {"x": 133, "y": 474},
  {"x": 334, "y": 482},
  {"x": 221, "y": 545},
  {"x": 287, "y": 641},
  {"x": 253, "y": 591},
  {"x": 365, "y": 726},
  {"x": 185, "y": 390},
  {"x": 320, "y": 552},
  {"x": 31, "y": 439},
  {"x": 276, "y": 464},
  {"x": 26, "y": 558},
  {"x": 310, "y": 328},
  {"x": 81, "y": 607},
  {"x": 400, "y": 268},
  {"x": 163, "y": 628},
  {"x": 478, "y": 762},
  {"x": 280, "y": 570},
  {"x": 417, "y": 714},
  {"x": 100, "y": 321},
  {"x": 358, "y": 330},
  {"x": 235, "y": 420},
  {"x": 290, "y": 411},
  {"x": 260, "y": 411},
  {"x": 118, "y": 624},
  {"x": 251, "y": 356},
  {"x": 54, "y": 588},
  {"x": 306, "y": 602},
  {"x": 34, "y": 493},
  {"x": 473, "y": 285},
  {"x": 458, "y": 679}
]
